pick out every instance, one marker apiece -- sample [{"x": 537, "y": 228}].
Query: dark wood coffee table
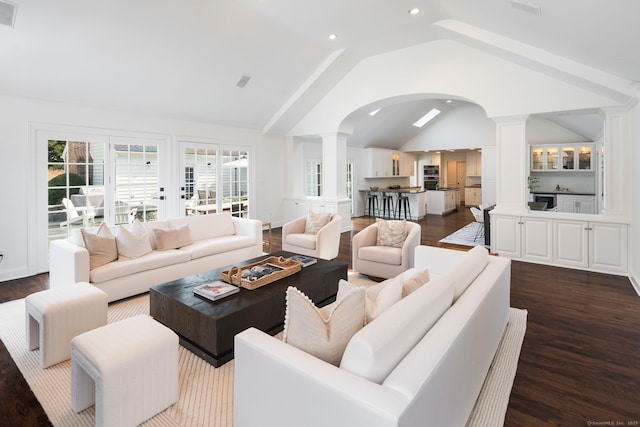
[{"x": 207, "y": 328}]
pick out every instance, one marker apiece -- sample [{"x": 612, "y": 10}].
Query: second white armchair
[
  {"x": 383, "y": 261},
  {"x": 324, "y": 244}
]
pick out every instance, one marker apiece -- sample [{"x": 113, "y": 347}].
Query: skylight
[{"x": 426, "y": 118}]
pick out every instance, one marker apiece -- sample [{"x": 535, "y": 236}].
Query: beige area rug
[{"x": 205, "y": 392}]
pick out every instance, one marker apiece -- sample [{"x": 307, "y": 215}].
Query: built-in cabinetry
[
  {"x": 474, "y": 163},
  {"x": 430, "y": 159},
  {"x": 441, "y": 201},
  {"x": 562, "y": 158},
  {"x": 592, "y": 245},
  {"x": 472, "y": 196},
  {"x": 576, "y": 203},
  {"x": 385, "y": 163}
]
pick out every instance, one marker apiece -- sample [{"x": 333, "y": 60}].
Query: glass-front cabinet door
[
  {"x": 561, "y": 158},
  {"x": 537, "y": 159},
  {"x": 585, "y": 158},
  {"x": 568, "y": 158},
  {"x": 552, "y": 158}
]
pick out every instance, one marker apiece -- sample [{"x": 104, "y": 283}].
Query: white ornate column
[
  {"x": 511, "y": 164},
  {"x": 334, "y": 176},
  {"x": 618, "y": 165}
]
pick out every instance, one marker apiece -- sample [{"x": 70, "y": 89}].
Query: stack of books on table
[
  {"x": 216, "y": 290},
  {"x": 304, "y": 260}
]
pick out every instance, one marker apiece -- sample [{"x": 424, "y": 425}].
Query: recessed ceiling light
[
  {"x": 373, "y": 113},
  {"x": 332, "y": 37},
  {"x": 414, "y": 11},
  {"x": 425, "y": 119}
]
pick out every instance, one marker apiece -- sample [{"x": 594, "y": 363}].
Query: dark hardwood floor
[{"x": 580, "y": 361}]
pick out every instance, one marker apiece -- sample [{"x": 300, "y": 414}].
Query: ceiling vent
[
  {"x": 7, "y": 13},
  {"x": 526, "y": 7},
  {"x": 243, "y": 81}
]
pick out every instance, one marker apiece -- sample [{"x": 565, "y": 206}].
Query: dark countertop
[
  {"x": 568, "y": 193},
  {"x": 412, "y": 190}
]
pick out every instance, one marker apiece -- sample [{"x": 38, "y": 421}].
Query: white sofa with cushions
[
  {"x": 421, "y": 362},
  {"x": 151, "y": 253}
]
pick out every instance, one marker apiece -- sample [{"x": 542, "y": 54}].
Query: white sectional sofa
[
  {"x": 422, "y": 362},
  {"x": 217, "y": 240}
]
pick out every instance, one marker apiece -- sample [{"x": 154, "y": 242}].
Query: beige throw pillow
[
  {"x": 380, "y": 296},
  {"x": 391, "y": 233},
  {"x": 133, "y": 240},
  {"x": 323, "y": 332},
  {"x": 101, "y": 246},
  {"x": 315, "y": 221},
  {"x": 172, "y": 238}
]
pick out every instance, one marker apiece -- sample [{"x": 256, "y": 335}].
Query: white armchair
[
  {"x": 325, "y": 244},
  {"x": 383, "y": 261}
]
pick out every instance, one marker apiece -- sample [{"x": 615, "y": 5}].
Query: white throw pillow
[
  {"x": 133, "y": 240},
  {"x": 380, "y": 296},
  {"x": 315, "y": 221},
  {"x": 323, "y": 332},
  {"x": 391, "y": 232},
  {"x": 101, "y": 246}
]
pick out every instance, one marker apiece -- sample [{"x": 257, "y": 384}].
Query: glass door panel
[
  {"x": 234, "y": 177},
  {"x": 584, "y": 158},
  {"x": 75, "y": 188},
  {"x": 568, "y": 158},
  {"x": 136, "y": 181},
  {"x": 552, "y": 158},
  {"x": 537, "y": 162},
  {"x": 199, "y": 191}
]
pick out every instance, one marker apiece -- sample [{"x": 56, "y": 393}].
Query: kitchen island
[
  {"x": 416, "y": 200},
  {"x": 441, "y": 201}
]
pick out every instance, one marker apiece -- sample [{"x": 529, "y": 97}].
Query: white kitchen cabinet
[
  {"x": 407, "y": 161},
  {"x": 441, "y": 201},
  {"x": 562, "y": 158},
  {"x": 524, "y": 238},
  {"x": 576, "y": 203},
  {"x": 596, "y": 246},
  {"x": 472, "y": 196},
  {"x": 474, "y": 163},
  {"x": 379, "y": 162},
  {"x": 383, "y": 163},
  {"x": 431, "y": 159}
]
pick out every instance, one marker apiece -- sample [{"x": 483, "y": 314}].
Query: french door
[{"x": 214, "y": 179}]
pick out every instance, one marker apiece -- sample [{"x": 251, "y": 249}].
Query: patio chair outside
[{"x": 87, "y": 214}]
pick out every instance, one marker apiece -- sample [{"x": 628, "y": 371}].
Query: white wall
[
  {"x": 634, "y": 234},
  {"x": 464, "y": 127},
  {"x": 17, "y": 219},
  {"x": 500, "y": 87}
]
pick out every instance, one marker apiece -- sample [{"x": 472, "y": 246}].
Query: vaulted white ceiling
[{"x": 182, "y": 59}]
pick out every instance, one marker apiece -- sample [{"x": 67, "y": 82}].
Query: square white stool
[
  {"x": 54, "y": 316},
  {"x": 129, "y": 369}
]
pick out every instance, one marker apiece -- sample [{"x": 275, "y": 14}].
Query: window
[
  {"x": 75, "y": 186},
  {"x": 313, "y": 178}
]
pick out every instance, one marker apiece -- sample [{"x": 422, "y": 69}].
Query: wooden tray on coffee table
[{"x": 279, "y": 267}]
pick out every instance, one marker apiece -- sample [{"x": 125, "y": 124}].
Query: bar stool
[
  {"x": 372, "y": 201},
  {"x": 387, "y": 205},
  {"x": 403, "y": 203}
]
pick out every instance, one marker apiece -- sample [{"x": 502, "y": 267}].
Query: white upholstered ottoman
[
  {"x": 54, "y": 316},
  {"x": 129, "y": 369}
]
